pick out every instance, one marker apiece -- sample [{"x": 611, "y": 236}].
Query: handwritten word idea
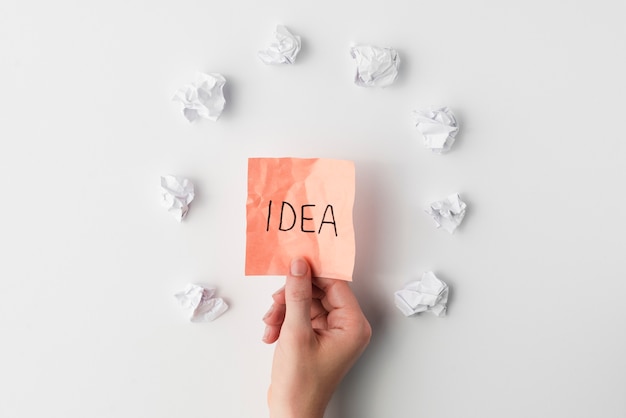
[{"x": 328, "y": 217}]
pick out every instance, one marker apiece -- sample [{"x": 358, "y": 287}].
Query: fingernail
[
  {"x": 266, "y": 334},
  {"x": 271, "y": 309},
  {"x": 299, "y": 267}
]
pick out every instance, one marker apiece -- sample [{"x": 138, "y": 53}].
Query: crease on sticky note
[{"x": 300, "y": 207}]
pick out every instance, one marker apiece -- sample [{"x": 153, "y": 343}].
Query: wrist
[
  {"x": 287, "y": 410},
  {"x": 295, "y": 414}
]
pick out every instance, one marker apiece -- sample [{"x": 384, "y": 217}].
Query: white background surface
[{"x": 536, "y": 324}]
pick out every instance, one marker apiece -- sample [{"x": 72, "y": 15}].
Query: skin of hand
[{"x": 321, "y": 332}]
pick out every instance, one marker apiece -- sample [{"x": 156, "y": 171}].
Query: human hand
[{"x": 321, "y": 332}]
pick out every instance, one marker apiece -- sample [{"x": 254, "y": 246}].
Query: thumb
[{"x": 298, "y": 294}]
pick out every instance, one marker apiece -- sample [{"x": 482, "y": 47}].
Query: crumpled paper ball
[
  {"x": 439, "y": 128},
  {"x": 429, "y": 294},
  {"x": 448, "y": 213},
  {"x": 176, "y": 195},
  {"x": 284, "y": 50},
  {"x": 375, "y": 66},
  {"x": 201, "y": 303},
  {"x": 203, "y": 98}
]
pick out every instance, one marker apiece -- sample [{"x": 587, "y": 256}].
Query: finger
[
  {"x": 271, "y": 333},
  {"x": 298, "y": 293},
  {"x": 317, "y": 309},
  {"x": 338, "y": 295},
  {"x": 320, "y": 322},
  {"x": 279, "y": 295},
  {"x": 275, "y": 315},
  {"x": 344, "y": 312},
  {"x": 318, "y": 315}
]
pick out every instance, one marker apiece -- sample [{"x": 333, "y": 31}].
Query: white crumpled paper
[
  {"x": 176, "y": 195},
  {"x": 200, "y": 303},
  {"x": 375, "y": 66},
  {"x": 439, "y": 128},
  {"x": 426, "y": 295},
  {"x": 203, "y": 98},
  {"x": 283, "y": 50},
  {"x": 448, "y": 213}
]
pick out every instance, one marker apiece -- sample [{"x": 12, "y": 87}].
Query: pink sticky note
[{"x": 300, "y": 208}]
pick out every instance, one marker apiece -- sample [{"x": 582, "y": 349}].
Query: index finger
[
  {"x": 338, "y": 294},
  {"x": 279, "y": 296}
]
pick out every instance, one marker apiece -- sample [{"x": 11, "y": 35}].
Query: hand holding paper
[{"x": 321, "y": 331}]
